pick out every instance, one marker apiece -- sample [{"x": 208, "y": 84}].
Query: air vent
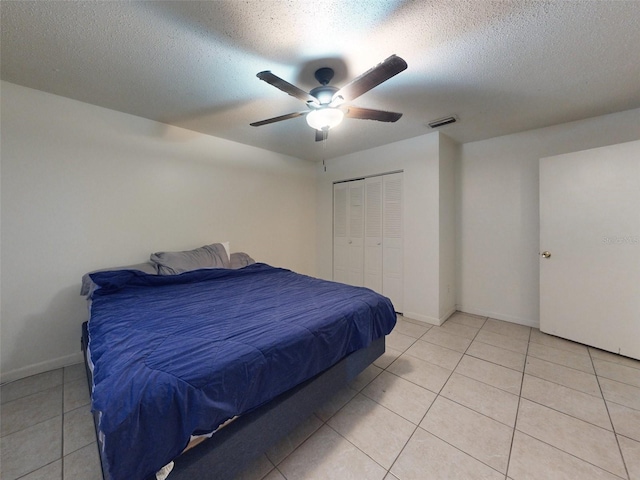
[{"x": 442, "y": 121}]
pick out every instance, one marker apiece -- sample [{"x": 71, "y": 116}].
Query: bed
[{"x": 247, "y": 353}]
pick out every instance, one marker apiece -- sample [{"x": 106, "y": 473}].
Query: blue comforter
[{"x": 179, "y": 355}]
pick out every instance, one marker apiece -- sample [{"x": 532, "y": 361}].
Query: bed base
[{"x": 229, "y": 451}]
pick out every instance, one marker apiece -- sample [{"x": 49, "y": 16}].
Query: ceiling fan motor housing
[
  {"x": 324, "y": 75},
  {"x": 324, "y": 94}
]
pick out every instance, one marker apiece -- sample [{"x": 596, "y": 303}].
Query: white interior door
[{"x": 590, "y": 227}]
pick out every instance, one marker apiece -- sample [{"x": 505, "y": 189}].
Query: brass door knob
[{"x": 545, "y": 254}]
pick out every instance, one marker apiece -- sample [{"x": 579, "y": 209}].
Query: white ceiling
[{"x": 499, "y": 66}]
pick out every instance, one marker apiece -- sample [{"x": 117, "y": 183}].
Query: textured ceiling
[{"x": 499, "y": 66}]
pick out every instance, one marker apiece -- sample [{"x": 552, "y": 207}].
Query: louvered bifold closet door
[
  {"x": 348, "y": 232},
  {"x": 340, "y": 232},
  {"x": 368, "y": 235},
  {"x": 392, "y": 240},
  {"x": 356, "y": 233},
  {"x": 373, "y": 234}
]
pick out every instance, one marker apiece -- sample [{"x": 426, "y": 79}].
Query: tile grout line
[
  {"x": 515, "y": 422},
  {"x": 601, "y": 397},
  {"x": 625, "y": 406},
  {"x": 388, "y": 471},
  {"x": 571, "y": 455},
  {"x": 571, "y": 416},
  {"x": 24, "y": 397},
  {"x": 600, "y": 359},
  {"x": 613, "y": 428},
  {"x": 619, "y": 381},
  {"x": 43, "y": 466},
  {"x": 434, "y": 400},
  {"x": 439, "y": 394},
  {"x": 360, "y": 450},
  {"x": 43, "y": 421},
  {"x": 561, "y": 384},
  {"x": 326, "y": 422},
  {"x": 64, "y": 386}
]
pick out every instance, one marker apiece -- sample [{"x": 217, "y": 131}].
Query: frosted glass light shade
[{"x": 324, "y": 118}]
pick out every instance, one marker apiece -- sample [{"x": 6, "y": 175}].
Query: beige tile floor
[{"x": 476, "y": 398}]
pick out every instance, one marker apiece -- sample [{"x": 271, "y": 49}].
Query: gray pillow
[
  {"x": 146, "y": 267},
  {"x": 209, "y": 256},
  {"x": 241, "y": 259}
]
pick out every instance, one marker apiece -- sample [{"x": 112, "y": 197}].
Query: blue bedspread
[{"x": 177, "y": 355}]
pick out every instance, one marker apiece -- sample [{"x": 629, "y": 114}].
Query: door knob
[{"x": 545, "y": 254}]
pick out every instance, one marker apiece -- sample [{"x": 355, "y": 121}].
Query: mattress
[{"x": 178, "y": 355}]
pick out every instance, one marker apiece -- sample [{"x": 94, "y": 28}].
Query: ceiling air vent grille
[{"x": 442, "y": 122}]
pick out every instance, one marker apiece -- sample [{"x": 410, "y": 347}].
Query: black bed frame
[{"x": 229, "y": 451}]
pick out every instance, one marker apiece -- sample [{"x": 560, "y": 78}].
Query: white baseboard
[
  {"x": 448, "y": 314},
  {"x": 527, "y": 322},
  {"x": 41, "y": 367},
  {"x": 427, "y": 319},
  {"x": 421, "y": 318}
]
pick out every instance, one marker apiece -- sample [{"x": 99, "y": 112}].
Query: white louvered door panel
[
  {"x": 392, "y": 240},
  {"x": 373, "y": 234},
  {"x": 340, "y": 232},
  {"x": 356, "y": 233}
]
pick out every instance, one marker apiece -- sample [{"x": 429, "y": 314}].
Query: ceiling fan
[{"x": 328, "y": 104}]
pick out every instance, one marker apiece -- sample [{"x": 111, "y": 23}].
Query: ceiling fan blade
[
  {"x": 370, "y": 114},
  {"x": 286, "y": 87},
  {"x": 321, "y": 135},
  {"x": 371, "y": 78},
  {"x": 277, "y": 119}
]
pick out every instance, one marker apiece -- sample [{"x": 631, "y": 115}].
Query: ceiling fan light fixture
[
  {"x": 328, "y": 103},
  {"x": 325, "y": 118}
]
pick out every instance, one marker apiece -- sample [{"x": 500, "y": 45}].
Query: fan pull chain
[{"x": 324, "y": 148}]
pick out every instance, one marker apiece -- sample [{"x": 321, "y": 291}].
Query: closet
[{"x": 367, "y": 234}]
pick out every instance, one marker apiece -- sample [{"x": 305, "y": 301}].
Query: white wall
[
  {"x": 497, "y": 220},
  {"x": 419, "y": 158},
  {"x": 449, "y": 153},
  {"x": 84, "y": 187}
]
